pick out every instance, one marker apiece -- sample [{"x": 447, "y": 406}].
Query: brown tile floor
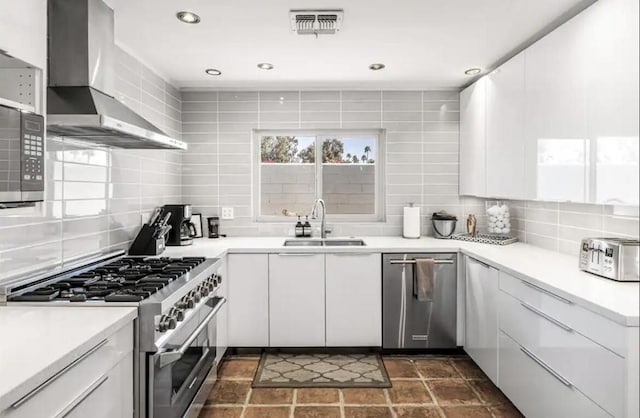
[{"x": 423, "y": 387}]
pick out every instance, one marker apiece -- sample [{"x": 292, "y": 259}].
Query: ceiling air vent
[{"x": 316, "y": 22}]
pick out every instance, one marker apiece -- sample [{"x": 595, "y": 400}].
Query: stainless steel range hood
[{"x": 80, "y": 102}]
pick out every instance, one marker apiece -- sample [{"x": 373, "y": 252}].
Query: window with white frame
[{"x": 343, "y": 167}]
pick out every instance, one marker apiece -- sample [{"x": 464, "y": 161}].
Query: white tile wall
[
  {"x": 421, "y": 149},
  {"x": 95, "y": 197}
]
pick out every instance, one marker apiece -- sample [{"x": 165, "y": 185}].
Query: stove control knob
[
  {"x": 166, "y": 323},
  {"x": 172, "y": 323},
  {"x": 186, "y": 303},
  {"x": 176, "y": 313},
  {"x": 195, "y": 296},
  {"x": 204, "y": 289}
]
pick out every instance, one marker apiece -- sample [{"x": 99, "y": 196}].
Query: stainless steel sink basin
[
  {"x": 303, "y": 243},
  {"x": 344, "y": 243},
  {"x": 325, "y": 242}
]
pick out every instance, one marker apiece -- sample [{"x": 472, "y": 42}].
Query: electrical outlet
[{"x": 227, "y": 213}]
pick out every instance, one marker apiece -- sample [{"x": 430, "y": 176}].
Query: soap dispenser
[
  {"x": 306, "y": 228},
  {"x": 299, "y": 229}
]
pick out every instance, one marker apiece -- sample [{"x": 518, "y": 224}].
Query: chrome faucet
[{"x": 314, "y": 215}]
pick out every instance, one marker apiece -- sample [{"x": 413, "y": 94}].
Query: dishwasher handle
[{"x": 436, "y": 261}]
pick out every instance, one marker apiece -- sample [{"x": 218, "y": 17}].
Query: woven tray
[{"x": 486, "y": 238}]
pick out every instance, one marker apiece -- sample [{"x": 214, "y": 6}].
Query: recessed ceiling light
[
  {"x": 213, "y": 71},
  {"x": 376, "y": 67},
  {"x": 188, "y": 17},
  {"x": 473, "y": 71},
  {"x": 265, "y": 66}
]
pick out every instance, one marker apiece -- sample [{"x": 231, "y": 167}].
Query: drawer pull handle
[
  {"x": 546, "y": 367},
  {"x": 546, "y": 292},
  {"x": 296, "y": 254},
  {"x": 83, "y": 396},
  {"x": 547, "y": 317},
  {"x": 53, "y": 378}
]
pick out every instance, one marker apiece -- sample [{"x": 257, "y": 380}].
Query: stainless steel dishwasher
[{"x": 408, "y": 323}]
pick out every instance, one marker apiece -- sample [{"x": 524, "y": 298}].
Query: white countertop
[
  {"x": 36, "y": 342},
  {"x": 558, "y": 273}
]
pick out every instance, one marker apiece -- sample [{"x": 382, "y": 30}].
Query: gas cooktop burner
[{"x": 130, "y": 279}]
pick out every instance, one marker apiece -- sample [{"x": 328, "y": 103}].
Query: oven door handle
[{"x": 169, "y": 357}]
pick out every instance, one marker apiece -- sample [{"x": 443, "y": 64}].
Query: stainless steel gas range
[{"x": 180, "y": 302}]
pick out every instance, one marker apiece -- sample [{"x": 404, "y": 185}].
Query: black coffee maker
[{"x": 182, "y": 229}]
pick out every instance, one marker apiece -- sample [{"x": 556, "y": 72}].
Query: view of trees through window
[
  {"x": 297, "y": 169},
  {"x": 301, "y": 150}
]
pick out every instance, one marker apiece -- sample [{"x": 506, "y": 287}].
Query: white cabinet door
[
  {"x": 481, "y": 323},
  {"x": 23, "y": 30},
  {"x": 556, "y": 149},
  {"x": 354, "y": 300},
  {"x": 248, "y": 304},
  {"x": 222, "y": 320},
  {"x": 472, "y": 139},
  {"x": 505, "y": 130},
  {"x": 612, "y": 39},
  {"x": 296, "y": 300}
]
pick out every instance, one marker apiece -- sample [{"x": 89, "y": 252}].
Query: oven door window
[{"x": 184, "y": 371}]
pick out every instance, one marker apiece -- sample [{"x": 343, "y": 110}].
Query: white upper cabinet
[
  {"x": 505, "y": 130},
  {"x": 23, "y": 30},
  {"x": 556, "y": 142},
  {"x": 611, "y": 38},
  {"x": 562, "y": 116},
  {"x": 472, "y": 139}
]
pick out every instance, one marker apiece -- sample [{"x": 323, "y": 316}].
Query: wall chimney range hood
[{"x": 80, "y": 102}]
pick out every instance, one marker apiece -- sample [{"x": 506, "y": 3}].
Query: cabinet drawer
[
  {"x": 53, "y": 396},
  {"x": 596, "y": 327},
  {"x": 111, "y": 396},
  {"x": 588, "y": 366},
  {"x": 535, "y": 390}
]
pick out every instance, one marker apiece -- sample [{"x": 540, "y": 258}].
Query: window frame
[{"x": 320, "y": 136}]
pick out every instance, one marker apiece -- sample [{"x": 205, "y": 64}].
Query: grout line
[{"x": 341, "y": 403}]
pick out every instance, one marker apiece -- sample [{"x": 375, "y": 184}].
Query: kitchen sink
[
  {"x": 303, "y": 243},
  {"x": 344, "y": 243},
  {"x": 324, "y": 242}
]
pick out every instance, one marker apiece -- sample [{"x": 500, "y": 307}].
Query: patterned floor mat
[{"x": 287, "y": 370}]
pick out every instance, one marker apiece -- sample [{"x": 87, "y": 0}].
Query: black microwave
[{"x": 22, "y": 137}]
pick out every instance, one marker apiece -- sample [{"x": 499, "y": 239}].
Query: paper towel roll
[{"x": 411, "y": 222}]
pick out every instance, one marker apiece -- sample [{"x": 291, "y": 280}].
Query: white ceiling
[{"x": 424, "y": 43}]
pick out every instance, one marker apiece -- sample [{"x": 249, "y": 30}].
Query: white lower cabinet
[
  {"x": 248, "y": 305},
  {"x": 97, "y": 384},
  {"x": 353, "y": 300},
  {"x": 536, "y": 389},
  {"x": 108, "y": 397},
  {"x": 481, "y": 317},
  {"x": 296, "y": 300},
  {"x": 222, "y": 321}
]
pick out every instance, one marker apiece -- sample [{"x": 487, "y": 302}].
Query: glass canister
[{"x": 498, "y": 217}]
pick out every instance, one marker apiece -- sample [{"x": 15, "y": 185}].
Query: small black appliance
[{"x": 182, "y": 229}]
